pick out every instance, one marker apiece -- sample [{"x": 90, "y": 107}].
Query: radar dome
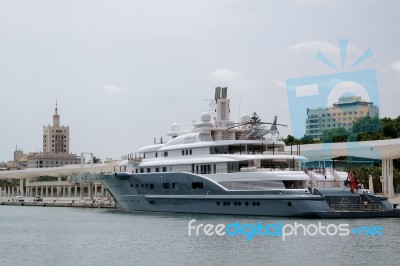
[
  {"x": 205, "y": 117},
  {"x": 175, "y": 127},
  {"x": 244, "y": 118}
]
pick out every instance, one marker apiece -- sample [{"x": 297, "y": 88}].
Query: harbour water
[{"x": 76, "y": 236}]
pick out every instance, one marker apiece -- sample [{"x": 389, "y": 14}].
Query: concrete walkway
[{"x": 61, "y": 202}]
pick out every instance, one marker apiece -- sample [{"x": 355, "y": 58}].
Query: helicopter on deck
[{"x": 253, "y": 128}]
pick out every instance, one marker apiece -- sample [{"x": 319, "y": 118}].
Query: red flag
[{"x": 352, "y": 182}]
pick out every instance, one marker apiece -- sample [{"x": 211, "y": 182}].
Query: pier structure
[
  {"x": 55, "y": 189},
  {"x": 72, "y": 182}
]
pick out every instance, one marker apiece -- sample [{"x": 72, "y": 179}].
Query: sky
[{"x": 123, "y": 71}]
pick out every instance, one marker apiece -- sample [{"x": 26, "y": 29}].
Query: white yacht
[{"x": 224, "y": 167}]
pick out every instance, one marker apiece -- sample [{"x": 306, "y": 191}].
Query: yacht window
[
  {"x": 164, "y": 169},
  {"x": 202, "y": 169},
  {"x": 190, "y": 151},
  {"x": 205, "y": 169},
  {"x": 174, "y": 185},
  {"x": 165, "y": 185},
  {"x": 197, "y": 185},
  {"x": 148, "y": 170},
  {"x": 234, "y": 167},
  {"x": 137, "y": 170},
  {"x": 165, "y": 154},
  {"x": 183, "y": 152},
  {"x": 142, "y": 170},
  {"x": 187, "y": 152},
  {"x": 151, "y": 186},
  {"x": 157, "y": 169},
  {"x": 156, "y": 154}
]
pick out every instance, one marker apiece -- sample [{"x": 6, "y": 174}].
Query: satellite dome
[
  {"x": 245, "y": 118},
  {"x": 175, "y": 127},
  {"x": 205, "y": 117}
]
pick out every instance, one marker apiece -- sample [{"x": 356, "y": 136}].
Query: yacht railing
[
  {"x": 357, "y": 207},
  {"x": 267, "y": 152},
  {"x": 210, "y": 171},
  {"x": 242, "y": 137},
  {"x": 241, "y": 170},
  {"x": 223, "y": 137},
  {"x": 135, "y": 160},
  {"x": 328, "y": 183},
  {"x": 263, "y": 169},
  {"x": 206, "y": 139}
]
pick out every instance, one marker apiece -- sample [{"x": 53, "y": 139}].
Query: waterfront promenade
[{"x": 60, "y": 202}]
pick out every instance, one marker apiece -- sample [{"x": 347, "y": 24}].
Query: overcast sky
[{"x": 123, "y": 71}]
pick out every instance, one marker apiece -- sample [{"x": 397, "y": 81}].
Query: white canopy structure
[
  {"x": 377, "y": 149},
  {"x": 385, "y": 150},
  {"x": 67, "y": 170}
]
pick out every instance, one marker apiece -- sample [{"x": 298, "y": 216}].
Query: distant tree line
[
  {"x": 9, "y": 183},
  {"x": 362, "y": 176},
  {"x": 363, "y": 129}
]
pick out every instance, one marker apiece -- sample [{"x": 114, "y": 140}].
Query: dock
[{"x": 86, "y": 203}]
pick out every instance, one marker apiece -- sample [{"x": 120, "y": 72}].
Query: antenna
[{"x": 240, "y": 102}]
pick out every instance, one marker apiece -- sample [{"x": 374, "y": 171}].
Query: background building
[
  {"x": 18, "y": 154},
  {"x": 342, "y": 114},
  {"x": 56, "y": 137},
  {"x": 55, "y": 147}
]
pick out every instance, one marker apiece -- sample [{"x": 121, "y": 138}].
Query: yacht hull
[{"x": 133, "y": 192}]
